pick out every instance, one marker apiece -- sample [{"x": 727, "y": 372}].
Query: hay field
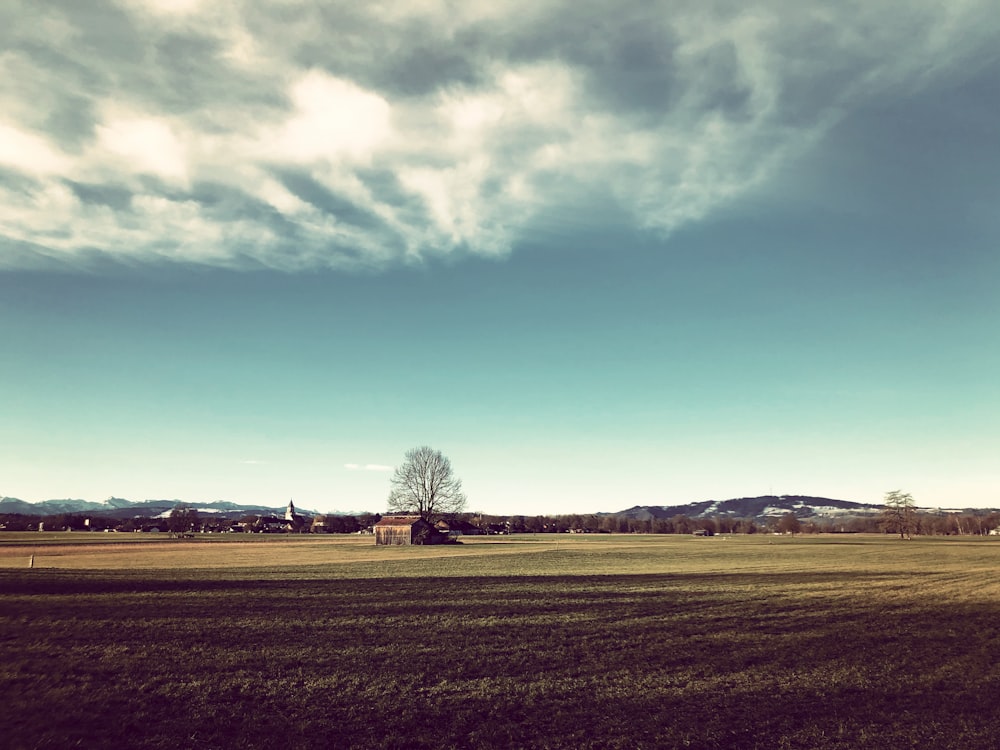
[{"x": 562, "y": 642}]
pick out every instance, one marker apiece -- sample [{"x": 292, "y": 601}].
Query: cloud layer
[{"x": 293, "y": 134}]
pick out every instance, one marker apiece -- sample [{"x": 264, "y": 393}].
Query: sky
[{"x": 598, "y": 254}]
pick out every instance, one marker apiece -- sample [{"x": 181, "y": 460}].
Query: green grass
[{"x": 568, "y": 642}]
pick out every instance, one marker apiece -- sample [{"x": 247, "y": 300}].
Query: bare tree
[
  {"x": 424, "y": 484},
  {"x": 899, "y": 513}
]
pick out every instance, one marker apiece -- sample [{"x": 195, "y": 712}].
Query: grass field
[{"x": 548, "y": 642}]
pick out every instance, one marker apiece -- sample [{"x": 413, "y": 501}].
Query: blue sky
[{"x": 671, "y": 252}]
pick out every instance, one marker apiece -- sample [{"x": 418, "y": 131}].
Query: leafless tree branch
[{"x": 425, "y": 484}]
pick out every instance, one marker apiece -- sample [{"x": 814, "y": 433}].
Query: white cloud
[
  {"x": 29, "y": 152},
  {"x": 368, "y": 467},
  {"x": 333, "y": 118},
  {"x": 144, "y": 144}
]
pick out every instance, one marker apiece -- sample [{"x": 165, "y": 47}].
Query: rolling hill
[{"x": 757, "y": 508}]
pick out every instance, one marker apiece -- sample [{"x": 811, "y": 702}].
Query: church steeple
[{"x": 290, "y": 511}]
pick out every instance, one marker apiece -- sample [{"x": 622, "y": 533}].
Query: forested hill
[{"x": 764, "y": 507}]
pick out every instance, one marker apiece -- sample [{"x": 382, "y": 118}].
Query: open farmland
[{"x": 561, "y": 642}]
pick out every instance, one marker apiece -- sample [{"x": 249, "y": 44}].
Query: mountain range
[
  {"x": 116, "y": 507},
  {"x": 760, "y": 508}
]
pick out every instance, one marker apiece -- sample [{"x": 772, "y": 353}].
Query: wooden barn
[{"x": 407, "y": 529}]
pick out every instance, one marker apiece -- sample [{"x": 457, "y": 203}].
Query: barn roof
[{"x": 400, "y": 520}]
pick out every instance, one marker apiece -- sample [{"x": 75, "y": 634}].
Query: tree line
[{"x": 921, "y": 524}]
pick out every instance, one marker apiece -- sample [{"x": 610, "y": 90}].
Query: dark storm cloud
[
  {"x": 338, "y": 207},
  {"x": 626, "y": 57},
  {"x": 112, "y": 196},
  {"x": 429, "y": 67}
]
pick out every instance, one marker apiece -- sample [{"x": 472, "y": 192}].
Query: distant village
[{"x": 184, "y": 521}]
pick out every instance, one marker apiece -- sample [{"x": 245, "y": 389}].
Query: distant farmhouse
[
  {"x": 407, "y": 530},
  {"x": 457, "y": 527},
  {"x": 319, "y": 525}
]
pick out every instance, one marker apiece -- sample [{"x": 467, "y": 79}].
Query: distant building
[
  {"x": 319, "y": 525},
  {"x": 268, "y": 525},
  {"x": 457, "y": 527},
  {"x": 406, "y": 530},
  {"x": 294, "y": 521}
]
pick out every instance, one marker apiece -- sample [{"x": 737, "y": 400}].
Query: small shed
[{"x": 406, "y": 529}]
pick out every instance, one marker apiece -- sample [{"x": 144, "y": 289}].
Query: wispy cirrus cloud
[
  {"x": 293, "y": 135},
  {"x": 367, "y": 467}
]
